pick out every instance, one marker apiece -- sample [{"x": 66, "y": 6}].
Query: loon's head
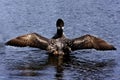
[
  {"x": 60, "y": 24},
  {"x": 60, "y": 27}
]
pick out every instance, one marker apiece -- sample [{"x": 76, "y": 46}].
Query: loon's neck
[{"x": 60, "y": 32}]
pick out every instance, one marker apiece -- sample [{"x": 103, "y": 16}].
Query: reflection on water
[{"x": 60, "y": 67}]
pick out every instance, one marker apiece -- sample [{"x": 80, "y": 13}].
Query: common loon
[{"x": 59, "y": 43}]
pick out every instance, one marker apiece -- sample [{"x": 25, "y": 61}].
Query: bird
[{"x": 59, "y": 44}]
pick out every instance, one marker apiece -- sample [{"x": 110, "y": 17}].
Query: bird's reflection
[
  {"x": 58, "y": 62},
  {"x": 37, "y": 67}
]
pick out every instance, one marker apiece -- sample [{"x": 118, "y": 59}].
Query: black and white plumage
[{"x": 59, "y": 44}]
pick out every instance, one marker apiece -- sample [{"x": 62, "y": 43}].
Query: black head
[
  {"x": 60, "y": 27},
  {"x": 59, "y": 23}
]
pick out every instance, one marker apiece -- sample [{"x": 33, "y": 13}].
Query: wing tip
[
  {"x": 8, "y": 43},
  {"x": 114, "y": 48},
  {"x": 111, "y": 47},
  {"x": 14, "y": 43}
]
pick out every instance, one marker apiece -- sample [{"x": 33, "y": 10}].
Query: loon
[{"x": 59, "y": 44}]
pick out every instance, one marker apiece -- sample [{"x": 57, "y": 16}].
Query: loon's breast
[{"x": 58, "y": 46}]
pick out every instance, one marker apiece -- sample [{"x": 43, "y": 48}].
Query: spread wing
[
  {"x": 90, "y": 42},
  {"x": 31, "y": 40}
]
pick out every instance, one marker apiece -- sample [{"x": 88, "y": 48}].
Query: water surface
[{"x": 96, "y": 17}]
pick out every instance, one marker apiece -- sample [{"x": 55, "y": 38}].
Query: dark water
[{"x": 96, "y": 17}]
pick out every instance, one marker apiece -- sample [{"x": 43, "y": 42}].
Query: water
[{"x": 97, "y": 17}]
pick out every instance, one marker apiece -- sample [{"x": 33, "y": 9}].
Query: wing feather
[
  {"x": 31, "y": 40},
  {"x": 90, "y": 42}
]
